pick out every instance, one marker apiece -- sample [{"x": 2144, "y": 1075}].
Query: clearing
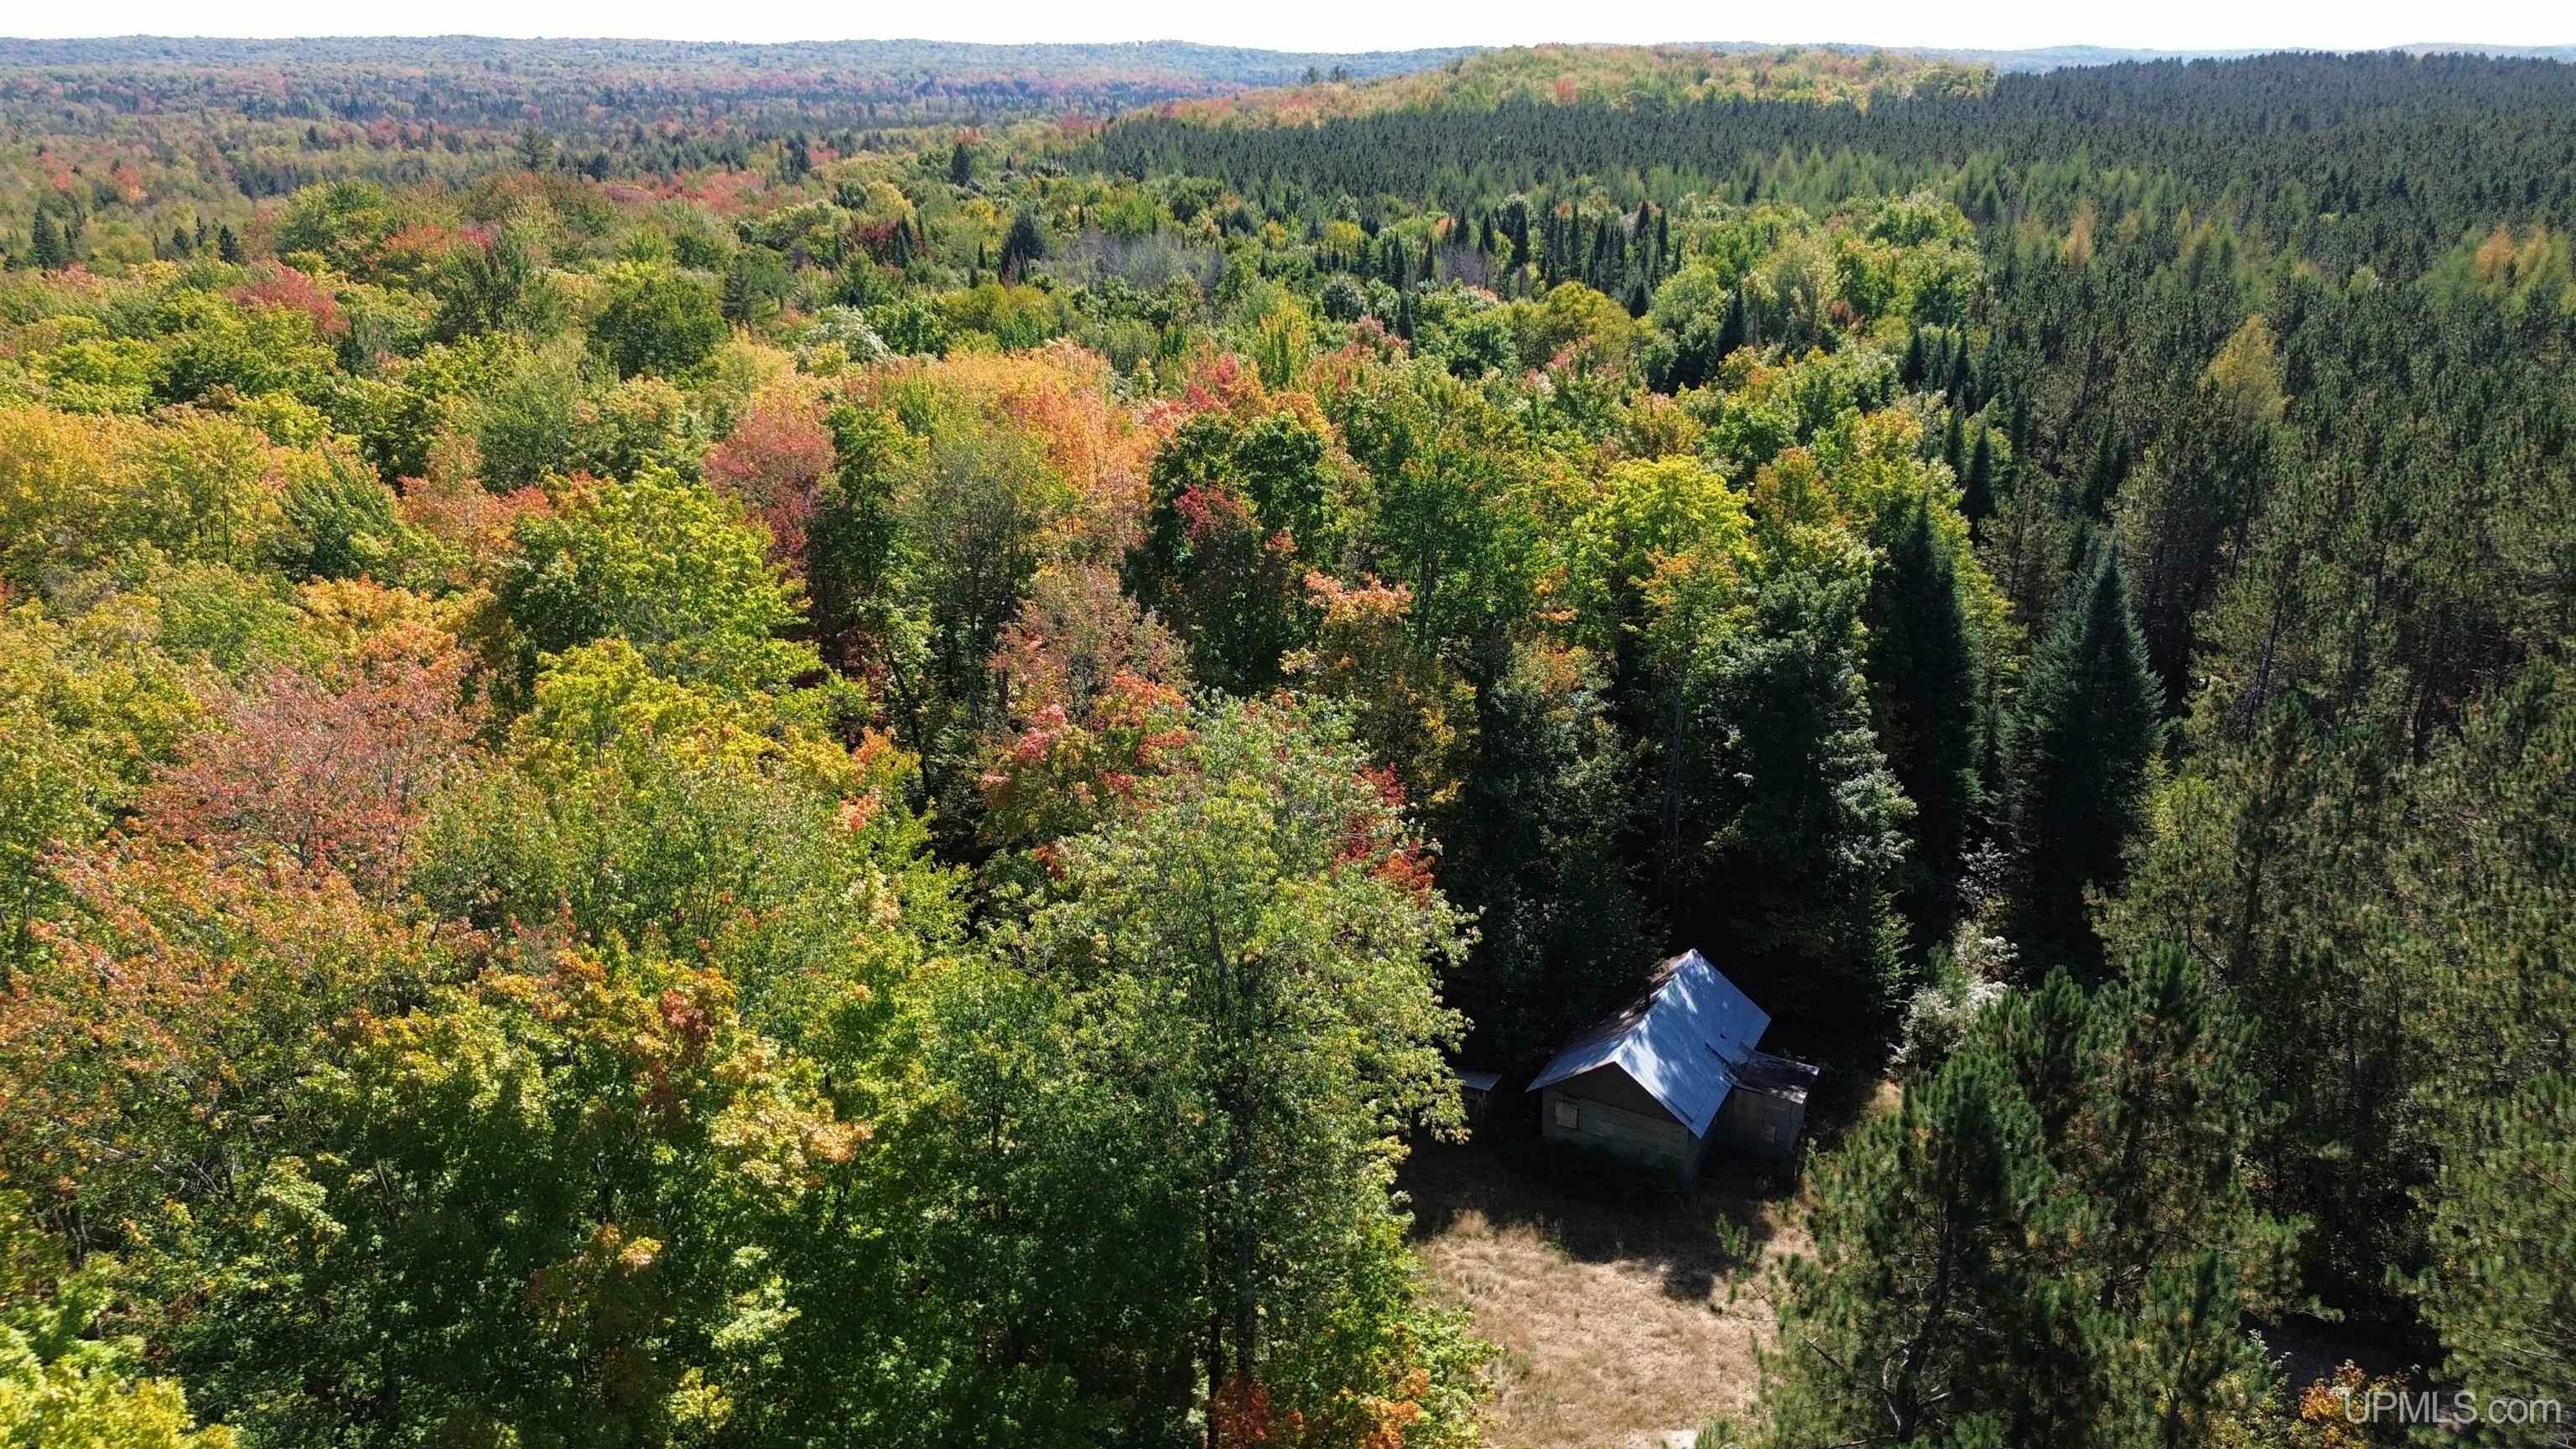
[{"x": 1623, "y": 1309}]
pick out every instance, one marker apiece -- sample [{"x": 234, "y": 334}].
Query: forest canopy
[{"x": 839, "y": 744}]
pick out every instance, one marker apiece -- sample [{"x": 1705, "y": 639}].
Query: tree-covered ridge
[
  {"x": 1612, "y": 75},
  {"x": 728, "y": 786},
  {"x": 2349, "y": 148},
  {"x": 475, "y": 80}
]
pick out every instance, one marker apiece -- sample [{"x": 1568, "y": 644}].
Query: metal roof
[
  {"x": 1684, "y": 1041},
  {"x": 1480, "y": 1081}
]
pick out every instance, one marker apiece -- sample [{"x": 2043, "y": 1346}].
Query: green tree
[
  {"x": 2076, "y": 759},
  {"x": 1928, "y": 691},
  {"x": 657, "y": 320},
  {"x": 61, "y": 1386},
  {"x": 573, "y": 1180},
  {"x": 1534, "y": 851},
  {"x": 48, "y": 249},
  {"x": 1024, "y": 243},
  {"x": 1801, "y": 822},
  {"x": 756, "y": 283},
  {"x": 498, "y": 287},
  {"x": 1901, "y": 1328},
  {"x": 2051, "y": 1241},
  {"x": 668, "y": 567},
  {"x": 2501, "y": 1289},
  {"x": 1261, "y": 915}
]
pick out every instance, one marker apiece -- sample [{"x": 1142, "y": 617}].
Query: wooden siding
[
  {"x": 1756, "y": 1123},
  {"x": 1598, "y": 1114}
]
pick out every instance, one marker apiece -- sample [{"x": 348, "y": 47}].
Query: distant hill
[
  {"x": 567, "y": 84},
  {"x": 1609, "y": 74},
  {"x": 1178, "y": 61},
  {"x": 2061, "y": 57},
  {"x": 576, "y": 87}
]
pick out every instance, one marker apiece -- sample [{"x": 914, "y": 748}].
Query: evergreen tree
[
  {"x": 2088, "y": 725},
  {"x": 1023, "y": 244},
  {"x": 1977, "y": 489},
  {"x": 1804, "y": 822},
  {"x": 1536, "y": 832},
  {"x": 48, "y": 249},
  {"x": 2051, "y": 1242},
  {"x": 1902, "y": 1326},
  {"x": 1927, "y": 692}
]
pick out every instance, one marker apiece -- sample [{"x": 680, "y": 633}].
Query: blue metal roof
[{"x": 1684, "y": 1041}]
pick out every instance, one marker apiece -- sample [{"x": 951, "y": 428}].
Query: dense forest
[{"x": 817, "y": 745}]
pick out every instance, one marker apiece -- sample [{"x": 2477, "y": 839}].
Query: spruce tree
[
  {"x": 1926, "y": 688},
  {"x": 1025, "y": 243},
  {"x": 2076, "y": 762},
  {"x": 1977, "y": 489},
  {"x": 48, "y": 248},
  {"x": 1535, "y": 856},
  {"x": 1804, "y": 821}
]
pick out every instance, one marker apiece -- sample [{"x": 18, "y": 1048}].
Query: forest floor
[{"x": 1623, "y": 1309}]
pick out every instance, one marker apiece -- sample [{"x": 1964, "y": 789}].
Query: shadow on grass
[{"x": 1596, "y": 1210}]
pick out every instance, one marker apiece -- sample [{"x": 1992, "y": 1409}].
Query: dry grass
[{"x": 1623, "y": 1309}]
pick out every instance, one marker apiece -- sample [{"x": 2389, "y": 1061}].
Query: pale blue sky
[{"x": 1362, "y": 24}]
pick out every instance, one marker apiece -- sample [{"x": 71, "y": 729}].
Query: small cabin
[
  {"x": 1678, "y": 1070},
  {"x": 1476, "y": 1092}
]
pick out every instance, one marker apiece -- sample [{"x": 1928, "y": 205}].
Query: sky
[{"x": 1363, "y": 24}]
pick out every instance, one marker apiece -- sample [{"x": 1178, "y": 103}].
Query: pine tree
[
  {"x": 961, "y": 164},
  {"x": 2089, "y": 723},
  {"x": 1901, "y": 1327},
  {"x": 228, "y": 246},
  {"x": 2051, "y": 1241}
]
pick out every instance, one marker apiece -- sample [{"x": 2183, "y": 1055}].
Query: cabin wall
[
  {"x": 1759, "y": 1124},
  {"x": 1603, "y": 1115}
]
